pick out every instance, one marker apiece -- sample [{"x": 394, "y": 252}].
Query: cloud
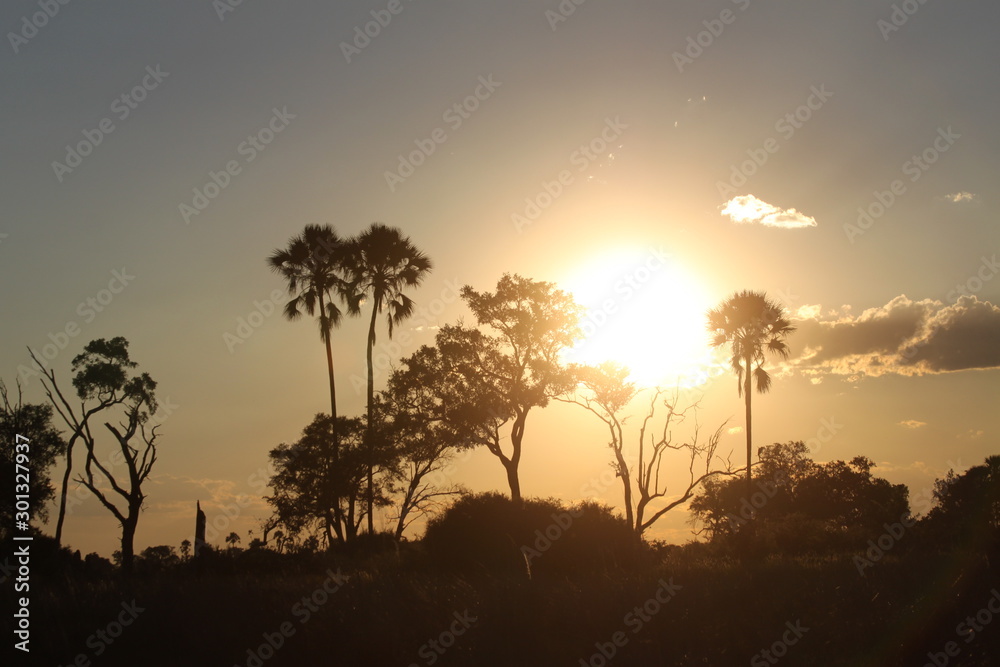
[
  {"x": 961, "y": 197},
  {"x": 734, "y": 430},
  {"x": 749, "y": 209},
  {"x": 903, "y": 337},
  {"x": 912, "y": 424}
]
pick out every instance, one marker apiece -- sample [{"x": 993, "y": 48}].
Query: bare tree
[
  {"x": 605, "y": 392},
  {"x": 103, "y": 374},
  {"x": 700, "y": 456}
]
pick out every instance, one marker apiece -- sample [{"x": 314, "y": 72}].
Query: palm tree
[
  {"x": 384, "y": 262},
  {"x": 313, "y": 264},
  {"x": 750, "y": 322}
]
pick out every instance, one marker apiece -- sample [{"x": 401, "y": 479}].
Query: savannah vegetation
[{"x": 797, "y": 560}]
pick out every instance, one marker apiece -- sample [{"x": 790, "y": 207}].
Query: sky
[{"x": 651, "y": 158}]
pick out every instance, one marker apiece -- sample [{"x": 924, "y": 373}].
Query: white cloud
[
  {"x": 961, "y": 197},
  {"x": 749, "y": 209},
  {"x": 912, "y": 424}
]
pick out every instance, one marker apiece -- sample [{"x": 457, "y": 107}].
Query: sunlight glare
[{"x": 645, "y": 311}]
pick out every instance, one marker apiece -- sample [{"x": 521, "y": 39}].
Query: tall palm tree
[
  {"x": 313, "y": 265},
  {"x": 384, "y": 262},
  {"x": 751, "y": 323}
]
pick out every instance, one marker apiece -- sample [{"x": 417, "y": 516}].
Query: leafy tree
[
  {"x": 308, "y": 485},
  {"x": 802, "y": 504},
  {"x": 45, "y": 444},
  {"x": 233, "y": 539},
  {"x": 104, "y": 374},
  {"x": 416, "y": 406},
  {"x": 500, "y": 378},
  {"x": 383, "y": 263},
  {"x": 186, "y": 549},
  {"x": 313, "y": 265},
  {"x": 967, "y": 511},
  {"x": 750, "y": 323}
]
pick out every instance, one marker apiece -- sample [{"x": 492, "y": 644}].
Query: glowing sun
[{"x": 645, "y": 311}]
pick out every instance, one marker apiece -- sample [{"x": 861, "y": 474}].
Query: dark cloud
[{"x": 903, "y": 337}]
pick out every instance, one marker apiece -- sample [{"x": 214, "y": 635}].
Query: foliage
[
  {"x": 799, "y": 505},
  {"x": 489, "y": 532},
  {"x": 33, "y": 422}
]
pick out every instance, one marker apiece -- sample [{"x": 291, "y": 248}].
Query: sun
[{"x": 646, "y": 311}]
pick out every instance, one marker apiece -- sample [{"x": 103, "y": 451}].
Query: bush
[{"x": 488, "y": 532}]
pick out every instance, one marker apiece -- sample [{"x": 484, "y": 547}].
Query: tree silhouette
[
  {"x": 501, "y": 377},
  {"x": 307, "y": 487},
  {"x": 103, "y": 375},
  {"x": 44, "y": 444},
  {"x": 383, "y": 263},
  {"x": 313, "y": 265},
  {"x": 233, "y": 539},
  {"x": 416, "y": 404},
  {"x": 750, "y": 323},
  {"x": 605, "y": 393}
]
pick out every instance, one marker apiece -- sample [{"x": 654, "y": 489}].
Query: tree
[
  {"x": 104, "y": 373},
  {"x": 186, "y": 549},
  {"x": 308, "y": 486},
  {"x": 502, "y": 377},
  {"x": 383, "y": 263},
  {"x": 33, "y": 423},
  {"x": 606, "y": 393},
  {"x": 803, "y": 505},
  {"x": 967, "y": 511},
  {"x": 313, "y": 265},
  {"x": 233, "y": 539},
  {"x": 416, "y": 404},
  {"x": 750, "y": 323}
]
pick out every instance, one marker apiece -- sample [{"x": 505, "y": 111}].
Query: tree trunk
[
  {"x": 327, "y": 335},
  {"x": 370, "y": 494},
  {"x": 746, "y": 396},
  {"x": 128, "y": 539},
  {"x": 512, "y": 480},
  {"x": 65, "y": 491}
]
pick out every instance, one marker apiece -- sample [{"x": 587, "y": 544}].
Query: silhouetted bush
[{"x": 489, "y": 532}]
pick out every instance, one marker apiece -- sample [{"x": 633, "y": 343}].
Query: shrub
[{"x": 488, "y": 532}]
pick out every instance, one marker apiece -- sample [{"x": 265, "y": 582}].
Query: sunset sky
[{"x": 653, "y": 156}]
